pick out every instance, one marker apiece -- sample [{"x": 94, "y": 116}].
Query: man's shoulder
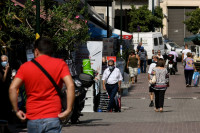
[{"x": 152, "y": 65}]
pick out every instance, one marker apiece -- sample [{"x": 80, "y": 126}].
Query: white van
[{"x": 151, "y": 41}]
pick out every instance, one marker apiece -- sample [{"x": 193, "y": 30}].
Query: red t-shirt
[{"x": 42, "y": 98}]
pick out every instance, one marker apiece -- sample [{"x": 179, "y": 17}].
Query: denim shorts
[{"x": 50, "y": 125}]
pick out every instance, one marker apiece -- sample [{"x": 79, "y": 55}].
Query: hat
[{"x": 111, "y": 60}]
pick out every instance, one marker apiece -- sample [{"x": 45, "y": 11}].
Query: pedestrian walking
[
  {"x": 173, "y": 52},
  {"x": 139, "y": 47},
  {"x": 133, "y": 64},
  {"x": 151, "y": 90},
  {"x": 43, "y": 105},
  {"x": 184, "y": 53},
  {"x": 143, "y": 59},
  {"x": 112, "y": 83},
  {"x": 189, "y": 69},
  {"x": 159, "y": 55},
  {"x": 162, "y": 82}
]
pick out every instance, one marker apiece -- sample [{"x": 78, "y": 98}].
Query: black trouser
[
  {"x": 175, "y": 66},
  {"x": 112, "y": 91},
  {"x": 159, "y": 98},
  {"x": 143, "y": 64},
  {"x": 188, "y": 76}
]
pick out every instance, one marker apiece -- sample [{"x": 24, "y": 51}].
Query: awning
[
  {"x": 98, "y": 33},
  {"x": 125, "y": 35},
  {"x": 192, "y": 38}
]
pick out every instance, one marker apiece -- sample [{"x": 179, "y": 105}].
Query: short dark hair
[
  {"x": 189, "y": 54},
  {"x": 186, "y": 45},
  {"x": 132, "y": 51},
  {"x": 161, "y": 62},
  {"x": 44, "y": 45}
]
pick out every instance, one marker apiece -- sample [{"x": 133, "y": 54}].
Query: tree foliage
[
  {"x": 143, "y": 18},
  {"x": 65, "y": 24},
  {"x": 193, "y": 23}
]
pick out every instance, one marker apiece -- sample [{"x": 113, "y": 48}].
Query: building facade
[
  {"x": 174, "y": 13},
  {"x": 114, "y": 11}
]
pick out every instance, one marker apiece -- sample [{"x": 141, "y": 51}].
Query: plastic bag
[
  {"x": 139, "y": 71},
  {"x": 194, "y": 75}
]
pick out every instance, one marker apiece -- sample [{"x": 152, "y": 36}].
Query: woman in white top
[{"x": 159, "y": 55}]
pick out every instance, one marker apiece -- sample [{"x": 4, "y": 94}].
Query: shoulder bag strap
[
  {"x": 109, "y": 75},
  {"x": 48, "y": 76}
]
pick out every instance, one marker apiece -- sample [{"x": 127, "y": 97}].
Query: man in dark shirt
[{"x": 139, "y": 47}]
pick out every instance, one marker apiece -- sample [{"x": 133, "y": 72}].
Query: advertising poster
[{"x": 108, "y": 44}]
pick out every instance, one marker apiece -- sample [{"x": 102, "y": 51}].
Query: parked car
[{"x": 168, "y": 46}]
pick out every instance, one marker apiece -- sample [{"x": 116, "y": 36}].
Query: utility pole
[
  {"x": 153, "y": 12},
  {"x": 37, "y": 19},
  {"x": 121, "y": 27},
  {"x": 108, "y": 19}
]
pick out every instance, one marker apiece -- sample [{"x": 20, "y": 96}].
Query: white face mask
[
  {"x": 111, "y": 67},
  {"x": 4, "y": 63}
]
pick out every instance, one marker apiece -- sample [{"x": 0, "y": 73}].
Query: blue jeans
[
  {"x": 48, "y": 125},
  {"x": 143, "y": 64},
  {"x": 112, "y": 90}
]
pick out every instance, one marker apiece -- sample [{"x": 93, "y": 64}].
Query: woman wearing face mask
[
  {"x": 5, "y": 79},
  {"x": 5, "y": 67},
  {"x": 111, "y": 83},
  {"x": 133, "y": 64}
]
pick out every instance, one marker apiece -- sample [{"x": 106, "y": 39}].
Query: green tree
[
  {"x": 193, "y": 23},
  {"x": 143, "y": 17},
  {"x": 65, "y": 24}
]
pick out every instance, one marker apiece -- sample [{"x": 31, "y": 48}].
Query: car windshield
[{"x": 172, "y": 44}]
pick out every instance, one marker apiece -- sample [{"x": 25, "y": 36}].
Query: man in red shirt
[{"x": 43, "y": 106}]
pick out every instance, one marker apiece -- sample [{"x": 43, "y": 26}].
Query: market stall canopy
[
  {"x": 125, "y": 35},
  {"x": 192, "y": 38},
  {"x": 98, "y": 33}
]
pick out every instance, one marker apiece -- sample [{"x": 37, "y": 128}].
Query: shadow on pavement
[
  {"x": 89, "y": 123},
  {"x": 167, "y": 111}
]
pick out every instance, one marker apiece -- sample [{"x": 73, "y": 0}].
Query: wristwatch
[{"x": 14, "y": 111}]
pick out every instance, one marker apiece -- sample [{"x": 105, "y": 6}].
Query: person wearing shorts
[
  {"x": 133, "y": 64},
  {"x": 151, "y": 90}
]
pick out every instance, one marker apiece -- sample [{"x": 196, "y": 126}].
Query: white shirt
[
  {"x": 185, "y": 51},
  {"x": 114, "y": 77},
  {"x": 160, "y": 57},
  {"x": 152, "y": 65}
]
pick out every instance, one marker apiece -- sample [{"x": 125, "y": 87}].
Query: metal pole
[
  {"x": 121, "y": 26},
  {"x": 37, "y": 18},
  {"x": 108, "y": 19},
  {"x": 86, "y": 8},
  {"x": 153, "y": 13}
]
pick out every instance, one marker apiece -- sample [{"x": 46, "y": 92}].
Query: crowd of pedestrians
[
  {"x": 38, "y": 88},
  {"x": 159, "y": 70}
]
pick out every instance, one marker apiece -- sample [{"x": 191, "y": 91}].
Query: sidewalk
[{"x": 181, "y": 111}]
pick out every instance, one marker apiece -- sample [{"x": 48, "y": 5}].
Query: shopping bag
[
  {"x": 139, "y": 71},
  {"x": 196, "y": 78},
  {"x": 118, "y": 102},
  {"x": 194, "y": 75}
]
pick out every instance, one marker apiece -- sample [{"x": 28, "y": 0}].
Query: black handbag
[{"x": 62, "y": 94}]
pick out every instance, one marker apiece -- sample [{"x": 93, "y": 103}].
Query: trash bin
[{"x": 3, "y": 126}]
